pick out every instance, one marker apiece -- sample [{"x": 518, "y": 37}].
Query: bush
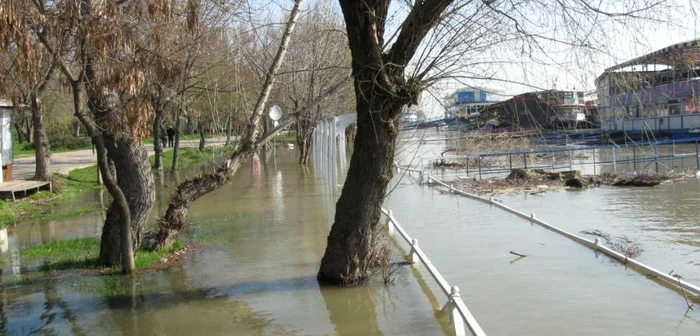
[{"x": 61, "y": 138}]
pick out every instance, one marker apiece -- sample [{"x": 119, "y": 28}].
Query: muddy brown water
[{"x": 264, "y": 235}]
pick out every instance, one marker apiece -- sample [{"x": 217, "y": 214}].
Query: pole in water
[
  {"x": 697, "y": 156},
  {"x": 634, "y": 157},
  {"x": 479, "y": 161},
  {"x": 656, "y": 156}
]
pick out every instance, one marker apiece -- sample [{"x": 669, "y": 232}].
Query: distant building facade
[{"x": 655, "y": 93}]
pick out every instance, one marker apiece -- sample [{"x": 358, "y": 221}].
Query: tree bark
[
  {"x": 42, "y": 149},
  {"x": 351, "y": 253},
  {"x": 135, "y": 179},
  {"x": 381, "y": 91}
]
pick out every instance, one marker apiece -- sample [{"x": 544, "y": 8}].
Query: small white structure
[{"x": 6, "y": 107}]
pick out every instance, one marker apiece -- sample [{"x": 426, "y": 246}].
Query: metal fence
[
  {"x": 656, "y": 156},
  {"x": 460, "y": 316}
]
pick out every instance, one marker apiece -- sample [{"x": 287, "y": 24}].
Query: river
[{"x": 263, "y": 236}]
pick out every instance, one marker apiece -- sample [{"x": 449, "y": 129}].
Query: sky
[
  {"x": 560, "y": 66},
  {"x": 571, "y": 69}
]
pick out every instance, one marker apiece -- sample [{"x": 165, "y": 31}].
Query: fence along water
[
  {"x": 653, "y": 156},
  {"x": 596, "y": 245},
  {"x": 460, "y": 316}
]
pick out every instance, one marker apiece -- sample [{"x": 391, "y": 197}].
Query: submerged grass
[
  {"x": 46, "y": 205},
  {"x": 82, "y": 254}
]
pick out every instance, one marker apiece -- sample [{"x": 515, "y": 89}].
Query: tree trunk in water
[
  {"x": 135, "y": 179},
  {"x": 172, "y": 224},
  {"x": 202, "y": 141},
  {"x": 305, "y": 141},
  {"x": 42, "y": 172},
  {"x": 156, "y": 133},
  {"x": 352, "y": 249}
]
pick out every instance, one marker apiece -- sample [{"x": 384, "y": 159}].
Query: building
[
  {"x": 469, "y": 103},
  {"x": 656, "y": 93},
  {"x": 567, "y": 107},
  {"x": 6, "y": 108},
  {"x": 522, "y": 112}
]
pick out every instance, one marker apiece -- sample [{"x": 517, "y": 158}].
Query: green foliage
[
  {"x": 60, "y": 137},
  {"x": 190, "y": 157},
  {"x": 286, "y": 137},
  {"x": 82, "y": 253}
]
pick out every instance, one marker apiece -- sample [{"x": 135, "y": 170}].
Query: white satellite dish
[{"x": 275, "y": 113}]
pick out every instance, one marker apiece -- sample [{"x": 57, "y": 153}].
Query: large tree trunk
[
  {"x": 381, "y": 91},
  {"x": 42, "y": 172},
  {"x": 352, "y": 251},
  {"x": 156, "y": 134},
  {"x": 135, "y": 179}
]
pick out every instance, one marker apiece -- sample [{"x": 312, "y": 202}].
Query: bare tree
[
  {"x": 433, "y": 40},
  {"x": 318, "y": 59}
]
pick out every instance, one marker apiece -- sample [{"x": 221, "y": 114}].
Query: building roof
[{"x": 677, "y": 54}]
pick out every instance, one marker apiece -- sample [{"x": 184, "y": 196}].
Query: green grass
[
  {"x": 82, "y": 254},
  {"x": 287, "y": 137},
  {"x": 43, "y": 205},
  {"x": 190, "y": 157},
  {"x": 47, "y": 206}
]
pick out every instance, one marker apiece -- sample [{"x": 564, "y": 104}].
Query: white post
[
  {"x": 414, "y": 255},
  {"x": 0, "y": 166},
  {"x": 455, "y": 316},
  {"x": 389, "y": 224},
  {"x": 614, "y": 158}
]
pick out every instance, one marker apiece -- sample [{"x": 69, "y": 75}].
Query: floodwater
[
  {"x": 262, "y": 239},
  {"x": 263, "y": 236},
  {"x": 561, "y": 287}
]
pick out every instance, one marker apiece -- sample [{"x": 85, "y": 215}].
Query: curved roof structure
[{"x": 674, "y": 55}]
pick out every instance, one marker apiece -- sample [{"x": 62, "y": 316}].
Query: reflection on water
[{"x": 262, "y": 236}]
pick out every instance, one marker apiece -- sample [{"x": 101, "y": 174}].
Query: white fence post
[
  {"x": 389, "y": 224},
  {"x": 414, "y": 256},
  {"x": 455, "y": 317}
]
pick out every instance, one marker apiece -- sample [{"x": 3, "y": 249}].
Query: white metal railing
[
  {"x": 460, "y": 315},
  {"x": 595, "y": 245}
]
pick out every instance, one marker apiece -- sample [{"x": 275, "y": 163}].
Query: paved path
[{"x": 23, "y": 167}]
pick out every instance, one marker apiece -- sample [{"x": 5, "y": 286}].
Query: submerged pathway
[{"x": 23, "y": 167}]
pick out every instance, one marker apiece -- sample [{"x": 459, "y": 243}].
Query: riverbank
[
  {"x": 539, "y": 181},
  {"x": 46, "y": 205}
]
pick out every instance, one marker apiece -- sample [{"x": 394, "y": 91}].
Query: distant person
[
  {"x": 164, "y": 138},
  {"x": 171, "y": 137}
]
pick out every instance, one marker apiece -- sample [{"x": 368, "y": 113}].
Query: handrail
[
  {"x": 595, "y": 245},
  {"x": 459, "y": 313}
]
